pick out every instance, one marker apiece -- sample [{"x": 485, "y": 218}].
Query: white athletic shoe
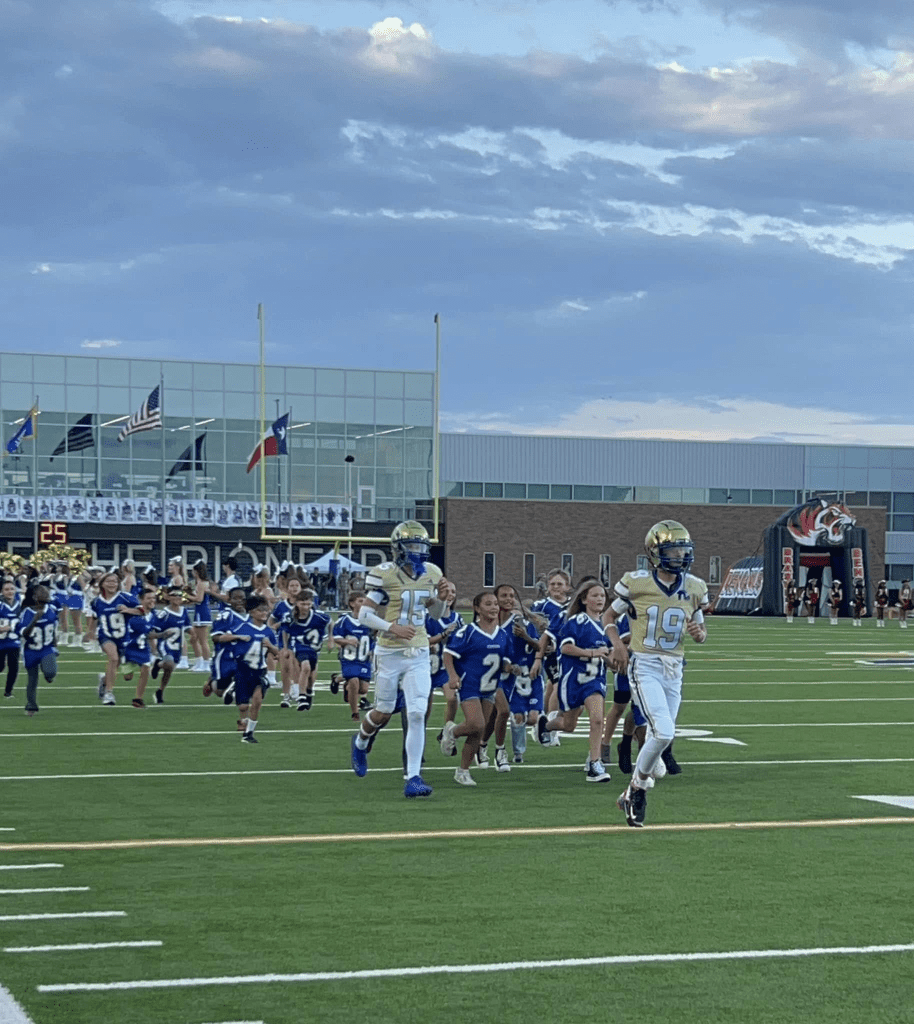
[
  {"x": 448, "y": 743},
  {"x": 596, "y": 772},
  {"x": 183, "y": 663},
  {"x": 501, "y": 760},
  {"x": 462, "y": 775},
  {"x": 109, "y": 698},
  {"x": 101, "y": 685},
  {"x": 482, "y": 757}
]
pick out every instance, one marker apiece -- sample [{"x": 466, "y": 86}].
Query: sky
[{"x": 661, "y": 218}]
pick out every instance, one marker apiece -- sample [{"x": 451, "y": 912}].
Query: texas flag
[{"x": 273, "y": 444}]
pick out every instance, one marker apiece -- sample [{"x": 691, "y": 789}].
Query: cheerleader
[
  {"x": 811, "y": 599},
  {"x": 835, "y": 597},
  {"x": 75, "y": 610},
  {"x": 882, "y": 602},
  {"x": 10, "y": 610},
  {"x": 791, "y": 600},
  {"x": 859, "y": 601},
  {"x": 198, "y": 596},
  {"x": 287, "y": 668},
  {"x": 904, "y": 603}
]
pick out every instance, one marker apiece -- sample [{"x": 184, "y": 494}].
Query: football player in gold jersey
[
  {"x": 663, "y": 604},
  {"x": 399, "y": 594}
]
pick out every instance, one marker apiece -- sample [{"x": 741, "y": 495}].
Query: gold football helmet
[
  {"x": 411, "y": 545},
  {"x": 669, "y": 546}
]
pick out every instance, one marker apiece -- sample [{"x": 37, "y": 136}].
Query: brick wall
[{"x": 587, "y": 530}]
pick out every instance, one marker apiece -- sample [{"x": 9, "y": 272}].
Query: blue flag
[{"x": 26, "y": 430}]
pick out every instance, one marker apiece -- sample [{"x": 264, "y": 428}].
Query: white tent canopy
[{"x": 323, "y": 564}]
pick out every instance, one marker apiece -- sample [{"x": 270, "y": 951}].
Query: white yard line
[
  {"x": 27, "y": 867},
  {"x": 10, "y": 1011},
  {"x": 55, "y": 917},
  {"x": 516, "y": 965},
  {"x": 59, "y": 888},
  {"x": 75, "y": 947},
  {"x": 425, "y": 770}
]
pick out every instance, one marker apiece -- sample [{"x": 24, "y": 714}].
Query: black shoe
[
  {"x": 138, "y": 702},
  {"x": 673, "y": 767},
  {"x": 639, "y": 805},
  {"x": 364, "y": 704},
  {"x": 625, "y": 759},
  {"x": 335, "y": 684},
  {"x": 285, "y": 702},
  {"x": 229, "y": 694},
  {"x": 156, "y": 665},
  {"x": 8, "y": 693},
  {"x": 248, "y": 737},
  {"x": 305, "y": 701},
  {"x": 542, "y": 731},
  {"x": 159, "y": 698}
]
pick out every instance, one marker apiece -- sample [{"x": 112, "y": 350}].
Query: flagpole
[
  {"x": 34, "y": 415},
  {"x": 163, "y": 539},
  {"x": 263, "y": 422},
  {"x": 436, "y": 458},
  {"x": 289, "y": 489}
]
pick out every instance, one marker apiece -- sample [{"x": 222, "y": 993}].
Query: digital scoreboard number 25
[{"x": 53, "y": 533}]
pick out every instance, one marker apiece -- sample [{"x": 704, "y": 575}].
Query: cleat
[
  {"x": 285, "y": 702},
  {"x": 248, "y": 737},
  {"x": 229, "y": 694},
  {"x": 462, "y": 775},
  {"x": 518, "y": 759},
  {"x": 501, "y": 760},
  {"x": 304, "y": 703},
  {"x": 335, "y": 683},
  {"x": 542, "y": 733},
  {"x": 482, "y": 757},
  {"x": 448, "y": 743},
  {"x": 417, "y": 786},
  {"x": 359, "y": 759},
  {"x": 160, "y": 697},
  {"x": 365, "y": 704},
  {"x": 101, "y": 685},
  {"x": 138, "y": 702},
  {"x": 672, "y": 765},
  {"x": 596, "y": 772},
  {"x": 108, "y": 699},
  {"x": 624, "y": 803},
  {"x": 638, "y": 805},
  {"x": 156, "y": 665},
  {"x": 625, "y": 759},
  {"x": 8, "y": 694}
]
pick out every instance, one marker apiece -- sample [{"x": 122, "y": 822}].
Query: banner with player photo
[{"x": 178, "y": 511}]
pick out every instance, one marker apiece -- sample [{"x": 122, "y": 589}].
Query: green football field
[{"x": 155, "y": 869}]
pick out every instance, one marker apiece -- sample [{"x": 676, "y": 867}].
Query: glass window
[
  {"x": 146, "y": 373},
  {"x": 855, "y": 498},
  {"x": 879, "y": 457},
  {"x": 360, "y": 382},
  {"x": 360, "y": 410},
  {"x": 900, "y": 572},
  {"x": 451, "y": 490},
  {"x": 672, "y": 494},
  {"x": 488, "y": 569},
  {"x": 275, "y": 382},
  {"x": 329, "y": 382},
  {"x": 81, "y": 399},
  {"x": 606, "y": 570},
  {"x": 16, "y": 396},
  {"x": 419, "y": 385},
  {"x": 902, "y": 502},
  {"x": 880, "y": 498},
  {"x": 647, "y": 494},
  {"x": 302, "y": 408},
  {"x": 493, "y": 490},
  {"x": 472, "y": 490},
  {"x": 331, "y": 482},
  {"x": 211, "y": 403},
  {"x": 560, "y": 492},
  {"x": 330, "y": 410},
  {"x": 618, "y": 494},
  {"x": 80, "y": 370},
  {"x": 783, "y": 497},
  {"x": 904, "y": 523},
  {"x": 389, "y": 385},
  {"x": 823, "y": 457},
  {"x": 529, "y": 570},
  {"x": 49, "y": 369},
  {"x": 568, "y": 564},
  {"x": 695, "y": 495},
  {"x": 418, "y": 413},
  {"x": 112, "y": 402},
  {"x": 175, "y": 403},
  {"x": 714, "y": 569},
  {"x": 739, "y": 495},
  {"x": 243, "y": 378},
  {"x": 538, "y": 492},
  {"x": 585, "y": 492},
  {"x": 718, "y": 495},
  {"x": 240, "y": 406},
  {"x": 388, "y": 412},
  {"x": 17, "y": 367},
  {"x": 51, "y": 396},
  {"x": 515, "y": 490},
  {"x": 762, "y": 497},
  {"x": 208, "y": 376}
]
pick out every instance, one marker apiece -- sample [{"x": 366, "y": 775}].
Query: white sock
[
  {"x": 415, "y": 742},
  {"x": 252, "y": 724}
]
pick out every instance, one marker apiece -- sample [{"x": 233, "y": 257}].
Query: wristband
[{"x": 368, "y": 618}]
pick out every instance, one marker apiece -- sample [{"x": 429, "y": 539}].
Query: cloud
[{"x": 100, "y": 343}]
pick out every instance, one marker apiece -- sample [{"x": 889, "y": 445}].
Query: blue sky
[{"x": 674, "y": 218}]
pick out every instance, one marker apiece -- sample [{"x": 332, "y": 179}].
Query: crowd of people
[{"x": 524, "y": 669}]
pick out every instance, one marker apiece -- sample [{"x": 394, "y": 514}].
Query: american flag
[{"x": 148, "y": 418}]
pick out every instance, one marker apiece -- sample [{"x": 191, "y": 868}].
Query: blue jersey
[
  {"x": 250, "y": 653},
  {"x": 227, "y": 621},
  {"x": 280, "y": 610},
  {"x": 355, "y": 661},
  {"x": 305, "y": 636},
  {"x": 581, "y": 677},
  {"x": 60, "y": 592},
  {"x": 112, "y": 624},
  {"x": 42, "y": 639},
  {"x": 9, "y": 616},
  {"x": 170, "y": 646},
  {"x": 136, "y": 647},
  {"x": 519, "y": 651},
  {"x": 478, "y": 658},
  {"x": 435, "y": 627},
  {"x": 554, "y": 613}
]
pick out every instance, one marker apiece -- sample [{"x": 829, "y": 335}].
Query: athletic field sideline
[{"x": 154, "y": 869}]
